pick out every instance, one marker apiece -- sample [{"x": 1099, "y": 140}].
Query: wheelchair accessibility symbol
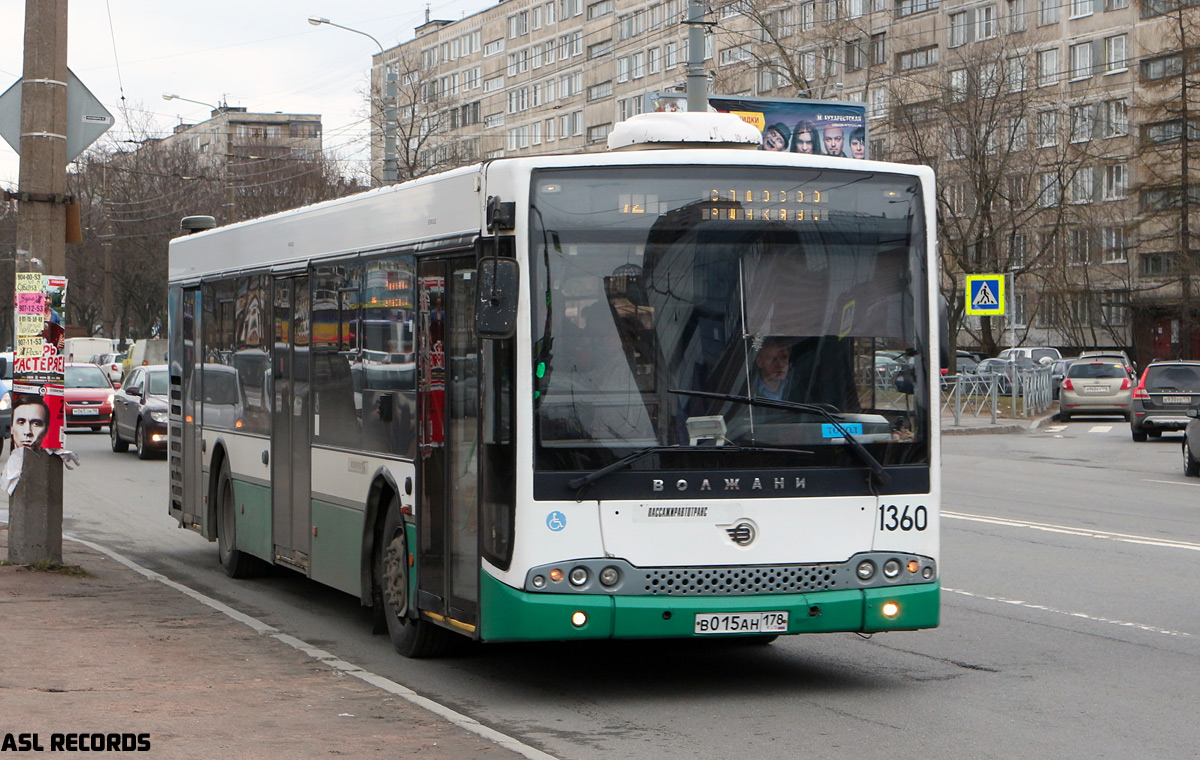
[{"x": 556, "y": 521}]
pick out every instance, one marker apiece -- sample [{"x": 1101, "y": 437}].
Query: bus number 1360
[{"x": 893, "y": 518}]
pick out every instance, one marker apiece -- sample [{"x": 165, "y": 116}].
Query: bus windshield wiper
[
  {"x": 835, "y": 419},
  {"x": 629, "y": 459}
]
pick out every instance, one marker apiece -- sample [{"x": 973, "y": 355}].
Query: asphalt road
[{"x": 1070, "y": 628}]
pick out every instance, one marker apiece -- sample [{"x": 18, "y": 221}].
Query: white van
[
  {"x": 1036, "y": 353},
  {"x": 81, "y": 350}
]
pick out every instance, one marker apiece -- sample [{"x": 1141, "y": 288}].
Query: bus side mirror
[{"x": 499, "y": 284}]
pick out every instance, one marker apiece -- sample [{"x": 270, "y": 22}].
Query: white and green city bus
[{"x": 529, "y": 399}]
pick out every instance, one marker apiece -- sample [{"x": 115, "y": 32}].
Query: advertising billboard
[{"x": 820, "y": 127}]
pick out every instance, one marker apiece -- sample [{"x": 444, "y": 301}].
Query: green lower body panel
[
  {"x": 509, "y": 614},
  {"x": 335, "y": 554},
  {"x": 253, "y": 519}
]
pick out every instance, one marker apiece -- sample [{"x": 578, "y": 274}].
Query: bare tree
[
  {"x": 1009, "y": 162},
  {"x": 428, "y": 109}
]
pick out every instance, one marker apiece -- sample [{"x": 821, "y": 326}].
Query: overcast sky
[{"x": 261, "y": 54}]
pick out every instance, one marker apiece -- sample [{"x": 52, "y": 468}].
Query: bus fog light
[
  {"x": 890, "y": 609},
  {"x": 866, "y": 570},
  {"x": 556, "y": 575},
  {"x": 891, "y": 568},
  {"x": 579, "y": 619},
  {"x": 539, "y": 581},
  {"x": 927, "y": 573},
  {"x": 579, "y": 576},
  {"x": 609, "y": 576}
]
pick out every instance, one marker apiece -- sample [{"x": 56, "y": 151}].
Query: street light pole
[
  {"x": 391, "y": 174},
  {"x": 173, "y": 96}
]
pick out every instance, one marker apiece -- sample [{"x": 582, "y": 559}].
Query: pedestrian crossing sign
[{"x": 985, "y": 294}]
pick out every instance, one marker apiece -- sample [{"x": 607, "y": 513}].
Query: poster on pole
[
  {"x": 792, "y": 125},
  {"x": 38, "y": 402}
]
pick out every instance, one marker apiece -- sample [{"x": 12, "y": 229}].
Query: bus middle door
[
  {"x": 448, "y": 403},
  {"x": 291, "y": 463}
]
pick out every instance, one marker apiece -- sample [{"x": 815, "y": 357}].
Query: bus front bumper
[{"x": 509, "y": 614}]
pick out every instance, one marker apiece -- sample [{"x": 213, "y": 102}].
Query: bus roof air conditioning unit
[{"x": 656, "y": 131}]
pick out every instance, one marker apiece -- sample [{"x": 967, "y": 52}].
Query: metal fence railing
[{"x": 1031, "y": 392}]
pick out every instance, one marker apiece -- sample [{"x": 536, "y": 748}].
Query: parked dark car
[
  {"x": 1191, "y": 439},
  {"x": 1005, "y": 371},
  {"x": 1058, "y": 371},
  {"x": 140, "y": 409},
  {"x": 1163, "y": 396}
]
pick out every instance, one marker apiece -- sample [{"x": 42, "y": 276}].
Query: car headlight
[
  {"x": 158, "y": 416},
  {"x": 5, "y": 402}
]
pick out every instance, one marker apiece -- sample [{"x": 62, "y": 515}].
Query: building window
[
  {"x": 599, "y": 91},
  {"x": 879, "y": 49},
  {"x": 1016, "y": 16},
  {"x": 1116, "y": 118},
  {"x": 1047, "y": 129},
  {"x": 879, "y": 108},
  {"x": 671, "y": 55},
  {"x": 958, "y": 29},
  {"x": 912, "y": 7},
  {"x": 985, "y": 22},
  {"x": 1153, "y": 264},
  {"x": 1163, "y": 67},
  {"x": 1081, "y": 60},
  {"x": 1047, "y": 67},
  {"x": 602, "y": 8},
  {"x": 729, "y": 55},
  {"x": 654, "y": 60},
  {"x": 1082, "y": 188},
  {"x": 1112, "y": 245},
  {"x": 637, "y": 65},
  {"x": 1116, "y": 182},
  {"x": 1048, "y": 12},
  {"x": 598, "y": 132},
  {"x": 1114, "y": 54},
  {"x": 1115, "y": 5},
  {"x": 958, "y": 84},
  {"x": 808, "y": 16},
  {"x": 622, "y": 69},
  {"x": 1079, "y": 241},
  {"x": 1049, "y": 185},
  {"x": 1081, "y": 123},
  {"x": 917, "y": 59},
  {"x": 1080, "y": 8},
  {"x": 600, "y": 48}
]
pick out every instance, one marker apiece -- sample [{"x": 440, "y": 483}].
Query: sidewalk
[
  {"x": 972, "y": 425},
  {"x": 119, "y": 653}
]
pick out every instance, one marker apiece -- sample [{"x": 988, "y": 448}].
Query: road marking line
[
  {"x": 1100, "y": 534},
  {"x": 1100, "y": 428},
  {"x": 1056, "y": 428},
  {"x": 326, "y": 658},
  {"x": 1171, "y": 483},
  {"x": 1093, "y": 618}
]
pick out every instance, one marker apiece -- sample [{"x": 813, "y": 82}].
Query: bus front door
[
  {"x": 448, "y": 391},
  {"x": 290, "y": 439}
]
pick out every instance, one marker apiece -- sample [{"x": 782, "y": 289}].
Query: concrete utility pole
[
  {"x": 697, "y": 79},
  {"x": 35, "y": 510}
]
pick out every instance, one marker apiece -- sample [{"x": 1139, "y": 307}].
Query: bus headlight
[
  {"x": 579, "y": 576},
  {"x": 890, "y": 609},
  {"x": 609, "y": 576},
  {"x": 579, "y": 619},
  {"x": 891, "y": 568},
  {"x": 866, "y": 570}
]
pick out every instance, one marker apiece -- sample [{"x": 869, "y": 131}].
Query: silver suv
[
  {"x": 1162, "y": 398},
  {"x": 1036, "y": 353}
]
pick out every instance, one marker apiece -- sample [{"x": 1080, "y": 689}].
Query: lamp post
[
  {"x": 390, "y": 171},
  {"x": 173, "y": 96}
]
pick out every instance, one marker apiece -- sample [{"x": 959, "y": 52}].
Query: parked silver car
[{"x": 1095, "y": 387}]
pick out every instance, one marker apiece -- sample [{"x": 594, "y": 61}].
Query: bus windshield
[{"x": 783, "y": 284}]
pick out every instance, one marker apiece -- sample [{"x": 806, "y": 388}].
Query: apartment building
[
  {"x": 1089, "y": 217},
  {"x": 233, "y": 132}
]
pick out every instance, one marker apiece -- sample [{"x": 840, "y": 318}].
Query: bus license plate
[
  {"x": 85, "y": 412},
  {"x": 741, "y": 622}
]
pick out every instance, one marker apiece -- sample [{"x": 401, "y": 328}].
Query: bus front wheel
[
  {"x": 237, "y": 563},
  {"x": 411, "y": 636}
]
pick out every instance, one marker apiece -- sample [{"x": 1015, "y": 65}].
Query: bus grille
[{"x": 717, "y": 581}]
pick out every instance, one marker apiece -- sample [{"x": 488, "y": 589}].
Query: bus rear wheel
[{"x": 411, "y": 636}]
